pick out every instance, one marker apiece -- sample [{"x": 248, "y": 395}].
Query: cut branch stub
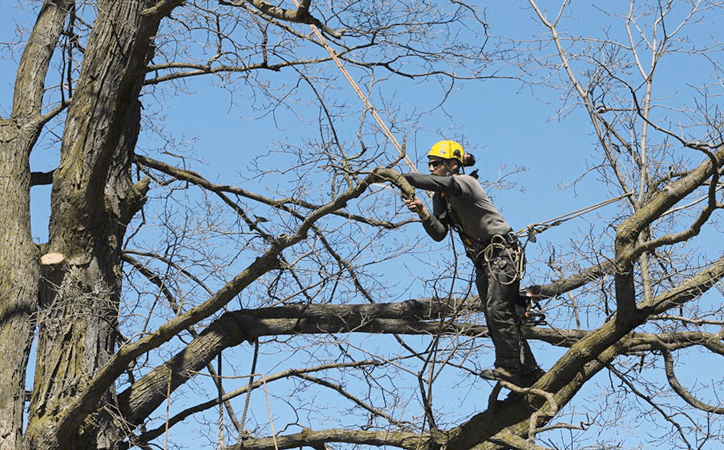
[{"x": 51, "y": 259}]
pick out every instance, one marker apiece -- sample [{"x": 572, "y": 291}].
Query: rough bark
[
  {"x": 19, "y": 274},
  {"x": 92, "y": 203},
  {"x": 19, "y": 256}
]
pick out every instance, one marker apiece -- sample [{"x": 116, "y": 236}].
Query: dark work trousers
[{"x": 498, "y": 287}]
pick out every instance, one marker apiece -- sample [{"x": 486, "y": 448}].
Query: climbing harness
[
  {"x": 508, "y": 246},
  {"x": 527, "y": 305},
  {"x": 485, "y": 254}
]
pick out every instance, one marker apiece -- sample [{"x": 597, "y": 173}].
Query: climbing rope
[
  {"x": 365, "y": 99},
  {"x": 249, "y": 386},
  {"x": 531, "y": 230},
  {"x": 220, "y": 441}
]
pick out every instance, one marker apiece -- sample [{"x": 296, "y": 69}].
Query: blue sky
[{"x": 505, "y": 123}]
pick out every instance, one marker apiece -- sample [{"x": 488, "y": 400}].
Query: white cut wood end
[{"x": 50, "y": 259}]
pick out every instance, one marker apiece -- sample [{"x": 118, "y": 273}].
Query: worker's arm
[
  {"x": 436, "y": 183},
  {"x": 436, "y": 229},
  {"x": 446, "y": 185}
]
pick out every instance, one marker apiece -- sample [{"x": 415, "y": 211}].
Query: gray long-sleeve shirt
[{"x": 476, "y": 214}]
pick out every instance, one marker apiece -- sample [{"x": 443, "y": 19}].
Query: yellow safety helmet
[{"x": 447, "y": 150}]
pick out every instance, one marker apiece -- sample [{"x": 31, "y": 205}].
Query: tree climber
[{"x": 460, "y": 203}]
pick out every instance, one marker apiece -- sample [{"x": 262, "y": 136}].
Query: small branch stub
[{"x": 51, "y": 259}]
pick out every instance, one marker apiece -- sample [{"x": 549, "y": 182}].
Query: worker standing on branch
[{"x": 459, "y": 202}]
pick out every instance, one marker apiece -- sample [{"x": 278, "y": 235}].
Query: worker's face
[{"x": 436, "y": 166}]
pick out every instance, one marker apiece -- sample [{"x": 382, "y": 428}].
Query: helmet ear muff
[{"x": 468, "y": 160}]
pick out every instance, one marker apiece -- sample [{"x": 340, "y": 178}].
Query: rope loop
[{"x": 505, "y": 246}]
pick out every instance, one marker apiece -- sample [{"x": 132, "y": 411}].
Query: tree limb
[
  {"x": 401, "y": 439},
  {"x": 199, "y": 180},
  {"x": 681, "y": 390}
]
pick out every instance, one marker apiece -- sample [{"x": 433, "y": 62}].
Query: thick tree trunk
[
  {"x": 19, "y": 256},
  {"x": 19, "y": 275},
  {"x": 92, "y": 202}
]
